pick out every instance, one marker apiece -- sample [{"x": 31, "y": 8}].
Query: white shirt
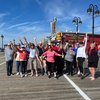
[
  {"x": 81, "y": 51},
  {"x": 32, "y": 53}
]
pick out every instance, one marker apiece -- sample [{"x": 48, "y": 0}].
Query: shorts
[{"x": 93, "y": 64}]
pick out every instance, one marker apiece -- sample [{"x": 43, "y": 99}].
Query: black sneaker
[
  {"x": 82, "y": 77},
  {"x": 49, "y": 76}
]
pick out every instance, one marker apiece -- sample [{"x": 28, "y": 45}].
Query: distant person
[
  {"x": 9, "y": 54},
  {"x": 92, "y": 60}
]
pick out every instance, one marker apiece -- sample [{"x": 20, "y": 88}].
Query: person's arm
[
  {"x": 66, "y": 46},
  {"x": 35, "y": 41},
  {"x": 57, "y": 54},
  {"x": 85, "y": 40},
  {"x": 20, "y": 41},
  {"x": 26, "y": 42}
]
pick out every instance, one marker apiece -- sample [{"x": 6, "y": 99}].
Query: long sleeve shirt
[
  {"x": 9, "y": 54},
  {"x": 81, "y": 51}
]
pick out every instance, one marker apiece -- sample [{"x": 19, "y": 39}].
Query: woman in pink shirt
[{"x": 50, "y": 60}]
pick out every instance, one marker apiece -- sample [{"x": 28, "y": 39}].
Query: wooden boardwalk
[{"x": 41, "y": 88}]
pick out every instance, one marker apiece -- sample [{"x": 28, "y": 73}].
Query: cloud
[
  {"x": 38, "y": 2},
  {"x": 54, "y": 8},
  {"x": 17, "y": 25},
  {"x": 2, "y": 15},
  {"x": 2, "y": 25}
]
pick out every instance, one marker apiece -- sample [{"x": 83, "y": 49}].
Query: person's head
[
  {"x": 70, "y": 47},
  {"x": 76, "y": 44},
  {"x": 22, "y": 47},
  {"x": 81, "y": 44},
  {"x": 9, "y": 45},
  {"x": 58, "y": 44},
  {"x": 49, "y": 47},
  {"x": 32, "y": 46},
  {"x": 18, "y": 45},
  {"x": 92, "y": 45}
]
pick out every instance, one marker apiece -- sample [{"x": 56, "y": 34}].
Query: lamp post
[
  {"x": 93, "y": 9},
  {"x": 77, "y": 21},
  {"x": 2, "y": 42}
]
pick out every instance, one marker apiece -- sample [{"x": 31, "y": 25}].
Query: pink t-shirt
[{"x": 50, "y": 55}]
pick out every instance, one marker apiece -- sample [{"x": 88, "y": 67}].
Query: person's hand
[
  {"x": 62, "y": 56},
  {"x": 19, "y": 39},
  {"x": 25, "y": 38},
  {"x": 86, "y": 34}
]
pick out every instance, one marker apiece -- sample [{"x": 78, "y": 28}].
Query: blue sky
[{"x": 31, "y": 18}]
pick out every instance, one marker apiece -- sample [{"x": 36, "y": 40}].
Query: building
[{"x": 79, "y": 37}]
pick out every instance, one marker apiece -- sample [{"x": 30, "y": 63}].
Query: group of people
[{"x": 52, "y": 59}]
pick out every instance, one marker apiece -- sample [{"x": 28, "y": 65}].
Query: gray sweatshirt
[
  {"x": 8, "y": 54},
  {"x": 69, "y": 56}
]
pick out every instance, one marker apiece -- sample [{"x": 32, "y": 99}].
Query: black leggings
[
  {"x": 80, "y": 63},
  {"x": 51, "y": 66},
  {"x": 23, "y": 65},
  {"x": 69, "y": 67}
]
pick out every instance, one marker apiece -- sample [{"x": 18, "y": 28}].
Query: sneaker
[
  {"x": 36, "y": 75},
  {"x": 92, "y": 79},
  {"x": 68, "y": 73},
  {"x": 49, "y": 76},
  {"x": 26, "y": 75},
  {"x": 17, "y": 73},
  {"x": 21, "y": 75},
  {"x": 82, "y": 77},
  {"x": 55, "y": 75},
  {"x": 78, "y": 72},
  {"x": 31, "y": 75}
]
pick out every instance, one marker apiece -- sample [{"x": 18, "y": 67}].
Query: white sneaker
[
  {"x": 26, "y": 75},
  {"x": 36, "y": 75},
  {"x": 55, "y": 75},
  {"x": 21, "y": 75},
  {"x": 78, "y": 73},
  {"x": 31, "y": 75},
  {"x": 17, "y": 73}
]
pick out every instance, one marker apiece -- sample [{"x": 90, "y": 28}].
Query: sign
[{"x": 59, "y": 36}]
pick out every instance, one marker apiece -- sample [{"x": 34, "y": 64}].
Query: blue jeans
[
  {"x": 18, "y": 66},
  {"x": 9, "y": 65}
]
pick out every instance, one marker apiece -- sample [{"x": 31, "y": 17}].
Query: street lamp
[
  {"x": 93, "y": 9},
  {"x": 77, "y": 21},
  {"x": 2, "y": 42}
]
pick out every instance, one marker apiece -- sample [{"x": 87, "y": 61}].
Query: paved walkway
[{"x": 42, "y": 88}]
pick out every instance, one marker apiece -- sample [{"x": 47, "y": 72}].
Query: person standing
[
  {"x": 50, "y": 61},
  {"x": 17, "y": 59},
  {"x": 75, "y": 48},
  {"x": 92, "y": 60},
  {"x": 33, "y": 57},
  {"x": 23, "y": 60},
  {"x": 69, "y": 57},
  {"x": 9, "y": 54},
  {"x": 81, "y": 55}
]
